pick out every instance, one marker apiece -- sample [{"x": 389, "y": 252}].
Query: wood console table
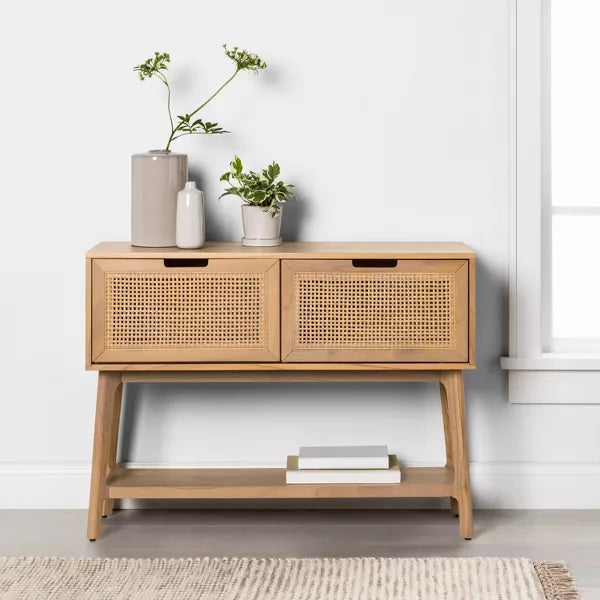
[{"x": 297, "y": 312}]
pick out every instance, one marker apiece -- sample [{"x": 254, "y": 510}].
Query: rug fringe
[{"x": 557, "y": 582}]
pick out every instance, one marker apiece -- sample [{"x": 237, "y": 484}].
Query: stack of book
[{"x": 343, "y": 464}]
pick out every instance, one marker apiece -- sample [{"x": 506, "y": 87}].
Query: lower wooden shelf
[
  {"x": 417, "y": 482},
  {"x": 451, "y": 481}
]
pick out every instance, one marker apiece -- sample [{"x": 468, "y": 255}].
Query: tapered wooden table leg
[
  {"x": 108, "y": 504},
  {"x": 448, "y": 442},
  {"x": 452, "y": 381},
  {"x": 108, "y": 383}
]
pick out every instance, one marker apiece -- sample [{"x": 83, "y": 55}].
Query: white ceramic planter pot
[{"x": 260, "y": 227}]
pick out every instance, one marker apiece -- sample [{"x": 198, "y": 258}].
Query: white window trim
[{"x": 528, "y": 114}]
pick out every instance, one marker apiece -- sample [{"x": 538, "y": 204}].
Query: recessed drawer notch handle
[
  {"x": 185, "y": 262},
  {"x": 375, "y": 263}
]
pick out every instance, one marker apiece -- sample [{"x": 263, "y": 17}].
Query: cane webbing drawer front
[
  {"x": 375, "y": 311},
  {"x": 147, "y": 310}
]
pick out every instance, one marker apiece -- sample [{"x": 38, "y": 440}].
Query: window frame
[{"x": 530, "y": 214}]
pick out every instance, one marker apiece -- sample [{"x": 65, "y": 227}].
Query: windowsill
[
  {"x": 553, "y": 379},
  {"x": 552, "y": 362}
]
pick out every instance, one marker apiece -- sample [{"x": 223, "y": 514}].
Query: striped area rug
[{"x": 285, "y": 579}]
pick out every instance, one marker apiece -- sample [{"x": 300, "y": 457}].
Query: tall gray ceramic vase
[{"x": 156, "y": 177}]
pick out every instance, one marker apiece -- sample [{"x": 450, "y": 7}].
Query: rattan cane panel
[
  {"x": 185, "y": 310},
  {"x": 375, "y": 310}
]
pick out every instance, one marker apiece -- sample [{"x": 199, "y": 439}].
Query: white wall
[{"x": 390, "y": 117}]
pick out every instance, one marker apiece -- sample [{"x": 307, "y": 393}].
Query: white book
[
  {"x": 343, "y": 457},
  {"x": 324, "y": 476}
]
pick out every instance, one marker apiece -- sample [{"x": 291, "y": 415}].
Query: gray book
[{"x": 343, "y": 457}]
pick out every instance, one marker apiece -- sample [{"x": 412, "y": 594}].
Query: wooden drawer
[
  {"x": 184, "y": 310},
  {"x": 375, "y": 311}
]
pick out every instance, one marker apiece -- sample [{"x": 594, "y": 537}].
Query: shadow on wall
[
  {"x": 129, "y": 420},
  {"x": 492, "y": 329},
  {"x": 214, "y": 229},
  {"x": 295, "y": 214},
  {"x": 217, "y": 417},
  {"x": 488, "y": 384}
]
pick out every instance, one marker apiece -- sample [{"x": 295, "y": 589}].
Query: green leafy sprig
[
  {"x": 157, "y": 66},
  {"x": 257, "y": 189}
]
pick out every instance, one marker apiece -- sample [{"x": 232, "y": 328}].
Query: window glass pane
[
  {"x": 575, "y": 102},
  {"x": 576, "y": 276}
]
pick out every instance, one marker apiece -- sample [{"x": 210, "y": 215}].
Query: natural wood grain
[
  {"x": 462, "y": 313},
  {"x": 225, "y": 312},
  {"x": 347, "y": 311},
  {"x": 96, "y": 324},
  {"x": 128, "y": 360},
  {"x": 448, "y": 441},
  {"x": 280, "y": 367},
  {"x": 267, "y": 483},
  {"x": 107, "y": 507},
  {"x": 451, "y": 250},
  {"x": 453, "y": 382},
  {"x": 108, "y": 383},
  {"x": 472, "y": 311},
  {"x": 88, "y": 312},
  {"x": 293, "y": 376},
  {"x": 101, "y": 358}
]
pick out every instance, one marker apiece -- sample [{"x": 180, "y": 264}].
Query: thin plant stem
[
  {"x": 164, "y": 80},
  {"x": 174, "y": 130},
  {"x": 219, "y": 90}
]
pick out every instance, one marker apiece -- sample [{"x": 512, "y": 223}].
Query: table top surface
[{"x": 297, "y": 250}]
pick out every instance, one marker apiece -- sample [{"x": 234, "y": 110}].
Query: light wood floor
[{"x": 573, "y": 536}]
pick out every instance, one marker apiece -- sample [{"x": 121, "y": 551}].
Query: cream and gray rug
[{"x": 284, "y": 579}]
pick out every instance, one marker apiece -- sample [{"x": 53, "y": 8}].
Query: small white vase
[
  {"x": 260, "y": 227},
  {"x": 189, "y": 226}
]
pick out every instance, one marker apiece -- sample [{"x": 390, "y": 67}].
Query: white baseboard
[
  {"x": 536, "y": 485},
  {"x": 31, "y": 485},
  {"x": 495, "y": 485}
]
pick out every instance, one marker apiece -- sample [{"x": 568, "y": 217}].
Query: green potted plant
[
  {"x": 263, "y": 196},
  {"x": 158, "y": 175}
]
